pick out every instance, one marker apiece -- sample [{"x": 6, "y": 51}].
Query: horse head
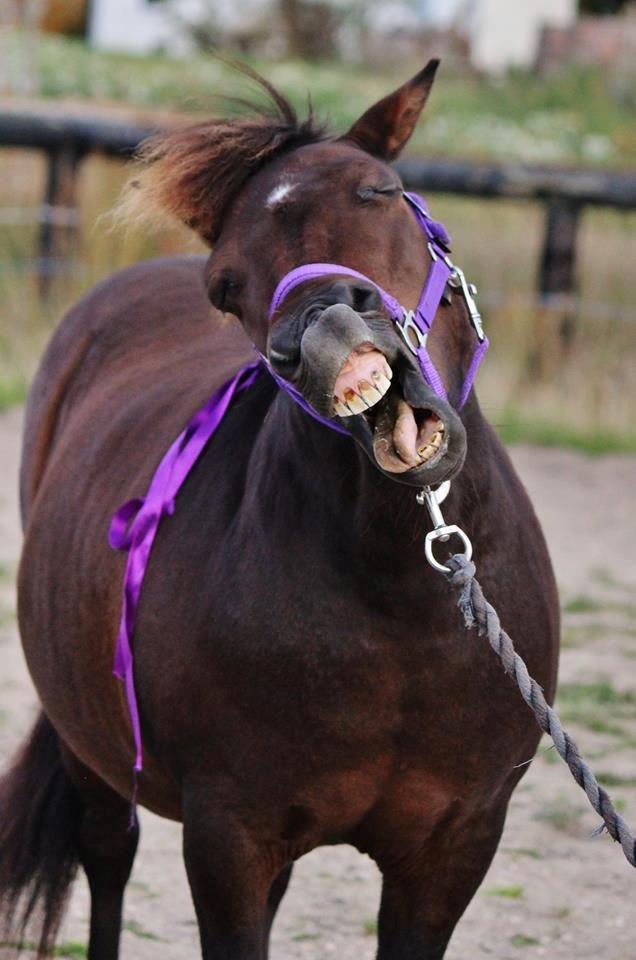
[{"x": 270, "y": 193}]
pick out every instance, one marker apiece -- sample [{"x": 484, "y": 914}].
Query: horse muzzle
[{"x": 355, "y": 368}]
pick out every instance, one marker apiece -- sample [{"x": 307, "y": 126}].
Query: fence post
[
  {"x": 60, "y": 215},
  {"x": 558, "y": 281},
  {"x": 555, "y": 324}
]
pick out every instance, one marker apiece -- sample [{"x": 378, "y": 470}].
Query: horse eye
[
  {"x": 386, "y": 190},
  {"x": 220, "y": 292}
]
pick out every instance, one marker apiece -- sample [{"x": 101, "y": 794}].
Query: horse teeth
[
  {"x": 381, "y": 381},
  {"x": 431, "y": 446},
  {"x": 353, "y": 402},
  {"x": 369, "y": 394},
  {"x": 426, "y": 452}
]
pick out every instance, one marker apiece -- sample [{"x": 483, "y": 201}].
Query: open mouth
[{"x": 403, "y": 437}]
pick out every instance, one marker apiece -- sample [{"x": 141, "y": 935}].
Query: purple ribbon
[{"x": 134, "y": 526}]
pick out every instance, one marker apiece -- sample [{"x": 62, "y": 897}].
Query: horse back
[{"x": 148, "y": 328}]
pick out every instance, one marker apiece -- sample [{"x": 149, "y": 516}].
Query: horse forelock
[{"x": 193, "y": 173}]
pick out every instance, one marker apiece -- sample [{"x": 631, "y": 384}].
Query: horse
[{"x": 302, "y": 676}]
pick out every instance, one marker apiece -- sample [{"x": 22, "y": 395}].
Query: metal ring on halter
[
  {"x": 443, "y": 533},
  {"x": 408, "y": 326}
]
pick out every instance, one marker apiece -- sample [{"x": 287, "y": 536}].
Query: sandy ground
[{"x": 552, "y": 891}]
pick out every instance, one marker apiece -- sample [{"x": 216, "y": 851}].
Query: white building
[
  {"x": 143, "y": 26},
  {"x": 502, "y": 33},
  {"x": 506, "y": 33}
]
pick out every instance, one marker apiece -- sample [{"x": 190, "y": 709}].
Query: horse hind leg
[
  {"x": 107, "y": 843},
  {"x": 39, "y": 853}
]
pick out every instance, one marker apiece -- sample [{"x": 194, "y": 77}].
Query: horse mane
[{"x": 193, "y": 173}]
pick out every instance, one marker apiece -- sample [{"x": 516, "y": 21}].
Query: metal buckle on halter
[
  {"x": 468, "y": 291},
  {"x": 439, "y": 254},
  {"x": 409, "y": 330}
]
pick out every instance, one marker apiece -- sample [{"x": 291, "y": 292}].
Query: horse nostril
[
  {"x": 365, "y": 298},
  {"x": 361, "y": 297}
]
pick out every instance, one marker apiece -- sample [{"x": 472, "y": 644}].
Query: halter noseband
[{"x": 414, "y": 325}]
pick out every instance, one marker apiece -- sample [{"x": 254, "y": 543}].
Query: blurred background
[{"x": 527, "y": 151}]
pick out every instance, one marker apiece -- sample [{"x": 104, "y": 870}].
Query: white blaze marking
[{"x": 280, "y": 192}]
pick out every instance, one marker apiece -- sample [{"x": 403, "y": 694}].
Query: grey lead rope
[{"x": 478, "y": 612}]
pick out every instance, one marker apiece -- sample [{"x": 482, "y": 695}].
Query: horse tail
[{"x": 39, "y": 821}]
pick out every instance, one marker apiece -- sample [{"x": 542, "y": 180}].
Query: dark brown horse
[{"x": 303, "y": 675}]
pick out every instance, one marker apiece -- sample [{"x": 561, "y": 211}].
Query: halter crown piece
[{"x": 134, "y": 526}]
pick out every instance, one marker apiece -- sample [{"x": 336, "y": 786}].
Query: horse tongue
[
  {"x": 405, "y": 434},
  {"x": 395, "y": 437},
  {"x": 399, "y": 443}
]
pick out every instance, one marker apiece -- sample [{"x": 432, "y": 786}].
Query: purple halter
[{"x": 414, "y": 325}]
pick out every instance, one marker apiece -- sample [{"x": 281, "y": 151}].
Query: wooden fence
[{"x": 66, "y": 141}]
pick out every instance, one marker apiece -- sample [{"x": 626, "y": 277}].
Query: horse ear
[{"x": 386, "y": 126}]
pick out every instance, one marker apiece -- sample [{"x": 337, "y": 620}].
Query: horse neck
[{"x": 323, "y": 486}]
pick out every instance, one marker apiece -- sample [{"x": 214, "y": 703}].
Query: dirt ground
[{"x": 552, "y": 891}]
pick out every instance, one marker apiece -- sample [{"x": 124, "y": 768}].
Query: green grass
[
  {"x": 70, "y": 948},
  {"x": 586, "y": 604},
  {"x": 597, "y": 706},
  {"x": 606, "y": 578},
  {"x": 561, "y": 813},
  {"x": 138, "y": 931},
  {"x": 615, "y": 780},
  {"x": 143, "y": 888},
  {"x": 560, "y": 913},
  {"x": 549, "y": 755},
  {"x": 581, "y": 604},
  {"x": 7, "y": 616},
  {"x": 370, "y": 927},
  {"x": 529, "y": 852},
  {"x": 301, "y": 937},
  {"x": 514, "y": 428},
  {"x": 13, "y": 389},
  {"x": 521, "y": 940},
  {"x": 508, "y": 893},
  {"x": 599, "y": 694}
]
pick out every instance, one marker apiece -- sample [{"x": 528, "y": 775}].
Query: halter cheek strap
[{"x": 413, "y": 325}]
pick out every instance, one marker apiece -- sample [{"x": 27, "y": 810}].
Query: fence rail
[{"x": 67, "y": 140}]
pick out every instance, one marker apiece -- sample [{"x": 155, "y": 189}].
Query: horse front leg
[
  {"x": 231, "y": 875},
  {"x": 276, "y": 894},
  {"x": 426, "y": 888}
]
